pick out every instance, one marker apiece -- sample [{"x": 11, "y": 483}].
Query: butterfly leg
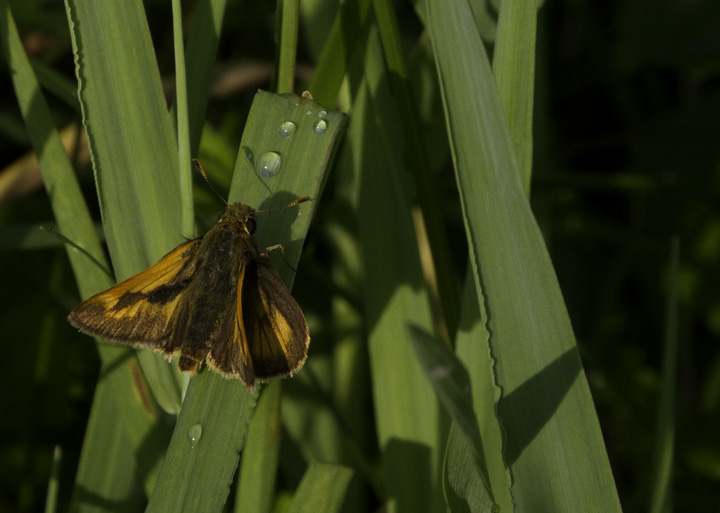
[{"x": 282, "y": 252}]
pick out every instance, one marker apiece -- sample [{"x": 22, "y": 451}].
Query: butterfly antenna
[
  {"x": 201, "y": 168},
  {"x": 291, "y": 204},
  {"x": 82, "y": 250}
]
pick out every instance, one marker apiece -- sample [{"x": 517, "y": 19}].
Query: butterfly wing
[
  {"x": 230, "y": 355},
  {"x": 140, "y": 310},
  {"x": 276, "y": 331}
]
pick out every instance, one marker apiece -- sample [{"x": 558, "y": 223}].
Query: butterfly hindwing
[
  {"x": 140, "y": 310},
  {"x": 276, "y": 331}
]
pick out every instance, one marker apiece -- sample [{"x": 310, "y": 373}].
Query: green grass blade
[
  {"x": 514, "y": 68},
  {"x": 210, "y": 431},
  {"x": 288, "y": 40},
  {"x": 336, "y": 55},
  {"x": 183, "y": 125},
  {"x": 322, "y": 489},
  {"x": 57, "y": 83},
  {"x": 132, "y": 148},
  {"x": 451, "y": 383},
  {"x": 200, "y": 56},
  {"x": 260, "y": 455},
  {"x": 205, "y": 446},
  {"x": 467, "y": 474},
  {"x": 471, "y": 346},
  {"x": 108, "y": 472},
  {"x": 662, "y": 497},
  {"x": 546, "y": 410},
  {"x": 417, "y": 163},
  {"x": 463, "y": 483},
  {"x": 53, "y": 482},
  {"x": 410, "y": 424},
  {"x": 304, "y": 155}
]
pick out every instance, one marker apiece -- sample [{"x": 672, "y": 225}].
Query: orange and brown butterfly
[{"x": 215, "y": 299}]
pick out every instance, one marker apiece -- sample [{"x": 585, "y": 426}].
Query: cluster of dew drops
[{"x": 269, "y": 162}]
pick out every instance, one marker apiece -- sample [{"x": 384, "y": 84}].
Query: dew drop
[
  {"x": 194, "y": 434},
  {"x": 269, "y": 163},
  {"x": 247, "y": 152},
  {"x": 322, "y": 114},
  {"x": 286, "y": 129},
  {"x": 319, "y": 126}
]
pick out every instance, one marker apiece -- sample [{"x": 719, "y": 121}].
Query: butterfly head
[{"x": 241, "y": 216}]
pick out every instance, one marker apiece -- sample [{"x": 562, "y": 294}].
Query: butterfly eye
[{"x": 251, "y": 225}]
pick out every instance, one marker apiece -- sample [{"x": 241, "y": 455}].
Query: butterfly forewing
[{"x": 140, "y": 311}]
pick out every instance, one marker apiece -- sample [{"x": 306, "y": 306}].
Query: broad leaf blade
[{"x": 547, "y": 411}]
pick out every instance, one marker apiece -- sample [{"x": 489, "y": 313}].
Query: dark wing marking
[{"x": 140, "y": 310}]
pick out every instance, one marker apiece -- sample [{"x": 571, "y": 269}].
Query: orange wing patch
[{"x": 148, "y": 300}]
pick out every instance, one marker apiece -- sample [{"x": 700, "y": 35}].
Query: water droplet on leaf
[
  {"x": 319, "y": 126},
  {"x": 194, "y": 434},
  {"x": 269, "y": 164},
  {"x": 286, "y": 129}
]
